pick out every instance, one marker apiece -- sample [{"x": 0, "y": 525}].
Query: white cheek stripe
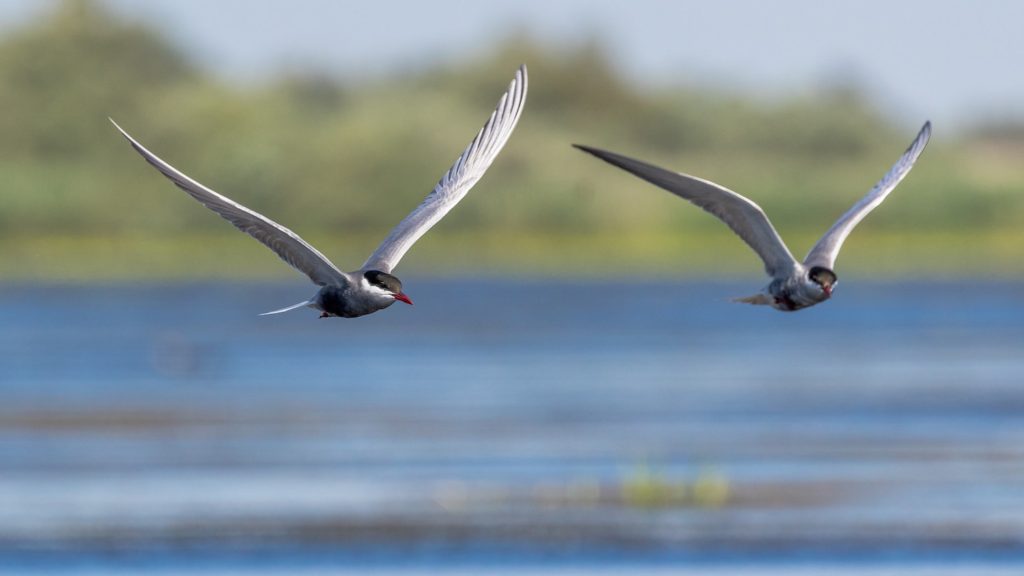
[{"x": 365, "y": 286}]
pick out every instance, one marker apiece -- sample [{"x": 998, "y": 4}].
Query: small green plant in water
[
  {"x": 645, "y": 488},
  {"x": 710, "y": 489}
]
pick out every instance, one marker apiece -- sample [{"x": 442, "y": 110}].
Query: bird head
[
  {"x": 386, "y": 285},
  {"x": 824, "y": 278}
]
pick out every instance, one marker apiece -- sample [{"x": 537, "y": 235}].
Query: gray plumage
[
  {"x": 794, "y": 285},
  {"x": 453, "y": 186},
  {"x": 372, "y": 287},
  {"x": 285, "y": 243}
]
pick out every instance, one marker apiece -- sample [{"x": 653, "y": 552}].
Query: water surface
[{"x": 552, "y": 426}]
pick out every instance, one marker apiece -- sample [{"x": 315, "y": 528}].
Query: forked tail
[
  {"x": 292, "y": 307},
  {"x": 756, "y": 299}
]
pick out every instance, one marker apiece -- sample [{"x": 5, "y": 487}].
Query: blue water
[{"x": 506, "y": 424}]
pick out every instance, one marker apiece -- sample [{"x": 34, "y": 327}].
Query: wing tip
[
  {"x": 135, "y": 143},
  {"x": 522, "y": 78},
  {"x": 522, "y": 75},
  {"x": 926, "y": 130},
  {"x": 920, "y": 141},
  {"x": 604, "y": 155},
  {"x": 588, "y": 149},
  {"x": 617, "y": 160},
  {"x": 118, "y": 126},
  {"x": 516, "y": 93}
]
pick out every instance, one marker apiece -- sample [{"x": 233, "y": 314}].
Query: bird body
[
  {"x": 794, "y": 285},
  {"x": 358, "y": 298},
  {"x": 372, "y": 287},
  {"x": 793, "y": 292}
]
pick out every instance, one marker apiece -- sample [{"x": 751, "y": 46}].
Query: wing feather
[
  {"x": 825, "y": 252},
  {"x": 743, "y": 216},
  {"x": 285, "y": 243},
  {"x": 457, "y": 181}
]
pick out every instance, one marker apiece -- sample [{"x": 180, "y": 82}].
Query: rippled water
[{"x": 557, "y": 427}]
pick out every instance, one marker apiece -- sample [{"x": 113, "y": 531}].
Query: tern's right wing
[
  {"x": 742, "y": 215},
  {"x": 287, "y": 244}
]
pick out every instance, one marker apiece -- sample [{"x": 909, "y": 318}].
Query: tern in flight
[
  {"x": 372, "y": 287},
  {"x": 794, "y": 285}
]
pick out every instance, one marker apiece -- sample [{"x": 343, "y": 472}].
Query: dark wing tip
[
  {"x": 925, "y": 133},
  {"x": 590, "y": 150},
  {"x": 617, "y": 160},
  {"x": 921, "y": 140}
]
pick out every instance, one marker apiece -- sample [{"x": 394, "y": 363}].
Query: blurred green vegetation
[{"x": 340, "y": 163}]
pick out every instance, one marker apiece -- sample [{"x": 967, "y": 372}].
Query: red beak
[
  {"x": 828, "y": 290},
  {"x": 401, "y": 297}
]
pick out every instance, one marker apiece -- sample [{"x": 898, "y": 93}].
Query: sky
[{"x": 952, "y": 61}]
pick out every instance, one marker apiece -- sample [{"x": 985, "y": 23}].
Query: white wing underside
[
  {"x": 743, "y": 216},
  {"x": 454, "y": 185},
  {"x": 285, "y": 243},
  {"x": 825, "y": 252}
]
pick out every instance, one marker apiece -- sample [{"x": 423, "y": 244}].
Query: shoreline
[{"x": 688, "y": 255}]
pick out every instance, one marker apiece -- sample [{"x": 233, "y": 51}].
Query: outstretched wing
[
  {"x": 287, "y": 244},
  {"x": 824, "y": 253},
  {"x": 741, "y": 214},
  {"x": 454, "y": 185}
]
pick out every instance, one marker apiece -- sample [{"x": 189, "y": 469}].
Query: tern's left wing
[
  {"x": 826, "y": 250},
  {"x": 454, "y": 185}
]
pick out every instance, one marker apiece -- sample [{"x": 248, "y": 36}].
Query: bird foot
[{"x": 324, "y": 314}]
